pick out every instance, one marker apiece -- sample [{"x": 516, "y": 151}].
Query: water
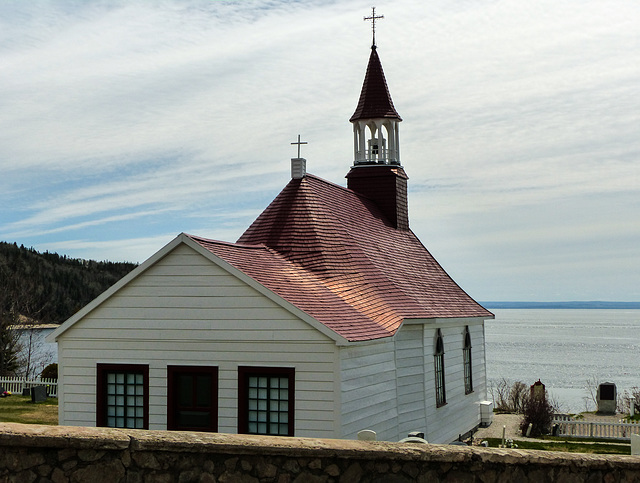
[
  {"x": 565, "y": 348},
  {"x": 42, "y": 352}
]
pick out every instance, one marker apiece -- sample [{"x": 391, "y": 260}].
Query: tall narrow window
[
  {"x": 438, "y": 362},
  {"x": 192, "y": 398},
  {"x": 466, "y": 357},
  {"x": 123, "y": 396},
  {"x": 266, "y": 400}
]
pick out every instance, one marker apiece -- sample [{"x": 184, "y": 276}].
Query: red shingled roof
[
  {"x": 331, "y": 253},
  {"x": 375, "y": 100}
]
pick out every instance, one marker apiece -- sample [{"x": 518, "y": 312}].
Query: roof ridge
[
  {"x": 226, "y": 243},
  {"x": 326, "y": 181},
  {"x": 336, "y": 185}
]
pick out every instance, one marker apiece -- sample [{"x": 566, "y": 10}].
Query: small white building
[{"x": 328, "y": 316}]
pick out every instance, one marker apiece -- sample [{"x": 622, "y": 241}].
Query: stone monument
[{"x": 607, "y": 398}]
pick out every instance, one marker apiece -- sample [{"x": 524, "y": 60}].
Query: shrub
[
  {"x": 518, "y": 397},
  {"x": 624, "y": 405},
  {"x": 50, "y": 372},
  {"x": 539, "y": 413},
  {"x": 509, "y": 397}
]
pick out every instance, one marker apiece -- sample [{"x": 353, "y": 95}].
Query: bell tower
[
  {"x": 376, "y": 172},
  {"x": 375, "y": 120}
]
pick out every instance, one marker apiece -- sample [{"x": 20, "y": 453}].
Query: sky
[{"x": 123, "y": 124}]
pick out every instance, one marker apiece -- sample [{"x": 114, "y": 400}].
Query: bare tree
[
  {"x": 500, "y": 394},
  {"x": 518, "y": 396},
  {"x": 16, "y": 306},
  {"x": 624, "y": 401},
  {"x": 9, "y": 343},
  {"x": 591, "y": 388},
  {"x": 509, "y": 397},
  {"x": 33, "y": 355}
]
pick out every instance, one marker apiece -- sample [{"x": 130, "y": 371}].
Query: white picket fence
[
  {"x": 16, "y": 385},
  {"x": 593, "y": 429}
]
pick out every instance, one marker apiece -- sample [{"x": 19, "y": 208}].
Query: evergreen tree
[{"x": 45, "y": 288}]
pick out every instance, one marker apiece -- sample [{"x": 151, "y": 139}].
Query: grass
[
  {"x": 568, "y": 446},
  {"x": 20, "y": 409}
]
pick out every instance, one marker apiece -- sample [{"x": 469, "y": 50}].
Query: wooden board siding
[
  {"x": 368, "y": 390},
  {"x": 461, "y": 413},
  {"x": 185, "y": 310},
  {"x": 410, "y": 362},
  {"x": 389, "y": 386}
]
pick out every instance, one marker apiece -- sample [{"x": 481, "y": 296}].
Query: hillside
[{"x": 48, "y": 287}]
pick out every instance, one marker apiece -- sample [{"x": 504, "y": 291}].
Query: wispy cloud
[{"x": 123, "y": 124}]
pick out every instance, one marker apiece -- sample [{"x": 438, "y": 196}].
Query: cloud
[{"x": 124, "y": 122}]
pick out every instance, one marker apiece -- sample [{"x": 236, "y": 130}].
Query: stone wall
[{"x": 30, "y": 453}]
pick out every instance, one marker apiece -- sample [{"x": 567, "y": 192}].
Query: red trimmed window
[
  {"x": 438, "y": 362},
  {"x": 123, "y": 396},
  {"x": 266, "y": 398},
  {"x": 192, "y": 398}
]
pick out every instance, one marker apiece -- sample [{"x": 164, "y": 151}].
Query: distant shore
[{"x": 561, "y": 305}]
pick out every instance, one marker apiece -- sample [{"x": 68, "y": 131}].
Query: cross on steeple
[
  {"x": 373, "y": 23},
  {"x": 299, "y": 143}
]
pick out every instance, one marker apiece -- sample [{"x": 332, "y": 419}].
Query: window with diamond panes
[
  {"x": 267, "y": 396},
  {"x": 122, "y": 396}
]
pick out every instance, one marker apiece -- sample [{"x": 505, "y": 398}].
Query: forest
[{"x": 46, "y": 288}]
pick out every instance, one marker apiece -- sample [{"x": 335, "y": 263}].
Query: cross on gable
[
  {"x": 299, "y": 143},
  {"x": 373, "y": 23}
]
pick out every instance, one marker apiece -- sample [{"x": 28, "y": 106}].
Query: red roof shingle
[{"x": 332, "y": 253}]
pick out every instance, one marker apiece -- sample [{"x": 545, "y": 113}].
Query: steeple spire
[{"x": 376, "y": 172}]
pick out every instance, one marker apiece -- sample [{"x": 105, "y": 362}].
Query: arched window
[
  {"x": 466, "y": 357},
  {"x": 438, "y": 363}
]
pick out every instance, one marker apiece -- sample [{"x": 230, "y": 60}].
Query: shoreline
[{"x": 590, "y": 305}]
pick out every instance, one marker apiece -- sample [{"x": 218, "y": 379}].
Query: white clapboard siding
[
  {"x": 478, "y": 357},
  {"x": 186, "y": 310},
  {"x": 410, "y": 381},
  {"x": 368, "y": 390},
  {"x": 462, "y": 411}
]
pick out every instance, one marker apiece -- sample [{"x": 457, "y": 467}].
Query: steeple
[
  {"x": 376, "y": 172},
  {"x": 375, "y": 120}
]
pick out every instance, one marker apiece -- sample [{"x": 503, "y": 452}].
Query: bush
[
  {"x": 50, "y": 372},
  {"x": 509, "y": 397},
  {"x": 539, "y": 413},
  {"x": 518, "y": 397},
  {"x": 624, "y": 402}
]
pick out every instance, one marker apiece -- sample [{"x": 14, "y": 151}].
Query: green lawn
[
  {"x": 568, "y": 446},
  {"x": 20, "y": 409}
]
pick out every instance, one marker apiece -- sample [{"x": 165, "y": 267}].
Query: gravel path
[{"x": 511, "y": 422}]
